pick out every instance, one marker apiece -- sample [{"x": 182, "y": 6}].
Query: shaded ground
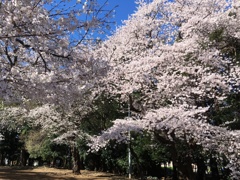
[{"x": 45, "y": 173}]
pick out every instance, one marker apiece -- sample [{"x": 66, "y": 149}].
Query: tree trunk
[
  {"x": 23, "y": 157},
  {"x": 165, "y": 171},
  {"x": 182, "y": 164},
  {"x": 30, "y": 162},
  {"x": 201, "y": 168},
  {"x": 69, "y": 158},
  {"x": 76, "y": 160},
  {"x": 187, "y": 169},
  {"x": 175, "y": 171},
  {"x": 214, "y": 168},
  {"x": 65, "y": 161},
  {"x": 139, "y": 167},
  {"x": 2, "y": 158}
]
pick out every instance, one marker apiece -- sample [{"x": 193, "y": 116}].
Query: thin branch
[
  {"x": 8, "y": 57},
  {"x": 44, "y": 62},
  {"x": 27, "y": 35}
]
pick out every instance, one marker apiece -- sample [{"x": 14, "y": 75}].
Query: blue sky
[
  {"x": 125, "y": 8},
  {"x": 122, "y": 11}
]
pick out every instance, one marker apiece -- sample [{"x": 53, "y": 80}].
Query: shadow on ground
[
  {"x": 28, "y": 173},
  {"x": 9, "y": 173}
]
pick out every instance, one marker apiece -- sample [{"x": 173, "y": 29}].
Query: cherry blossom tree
[
  {"x": 182, "y": 56},
  {"x": 42, "y": 39},
  {"x": 48, "y": 120},
  {"x": 46, "y": 60},
  {"x": 46, "y": 54},
  {"x": 64, "y": 126}
]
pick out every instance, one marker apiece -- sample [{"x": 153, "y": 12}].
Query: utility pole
[{"x": 129, "y": 147}]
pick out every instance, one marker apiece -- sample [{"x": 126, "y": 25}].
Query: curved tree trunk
[{"x": 76, "y": 160}]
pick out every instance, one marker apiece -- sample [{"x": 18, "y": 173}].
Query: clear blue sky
[{"x": 125, "y": 8}]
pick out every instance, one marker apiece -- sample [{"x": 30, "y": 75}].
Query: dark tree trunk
[
  {"x": 76, "y": 160},
  {"x": 139, "y": 167},
  {"x": 214, "y": 168},
  {"x": 23, "y": 157},
  {"x": 225, "y": 171},
  {"x": 69, "y": 159},
  {"x": 187, "y": 169},
  {"x": 30, "y": 162},
  {"x": 182, "y": 164},
  {"x": 165, "y": 171},
  {"x": 65, "y": 161},
  {"x": 175, "y": 172},
  {"x": 2, "y": 158},
  {"x": 201, "y": 168},
  {"x": 183, "y": 168}
]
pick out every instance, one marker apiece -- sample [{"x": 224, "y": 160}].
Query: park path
[{"x": 45, "y": 173}]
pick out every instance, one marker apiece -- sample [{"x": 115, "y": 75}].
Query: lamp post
[{"x": 129, "y": 147}]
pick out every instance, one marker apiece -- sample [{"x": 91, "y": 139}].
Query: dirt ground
[{"x": 46, "y": 173}]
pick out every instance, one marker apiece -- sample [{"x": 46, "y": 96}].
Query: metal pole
[
  {"x": 129, "y": 157},
  {"x": 129, "y": 146}
]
